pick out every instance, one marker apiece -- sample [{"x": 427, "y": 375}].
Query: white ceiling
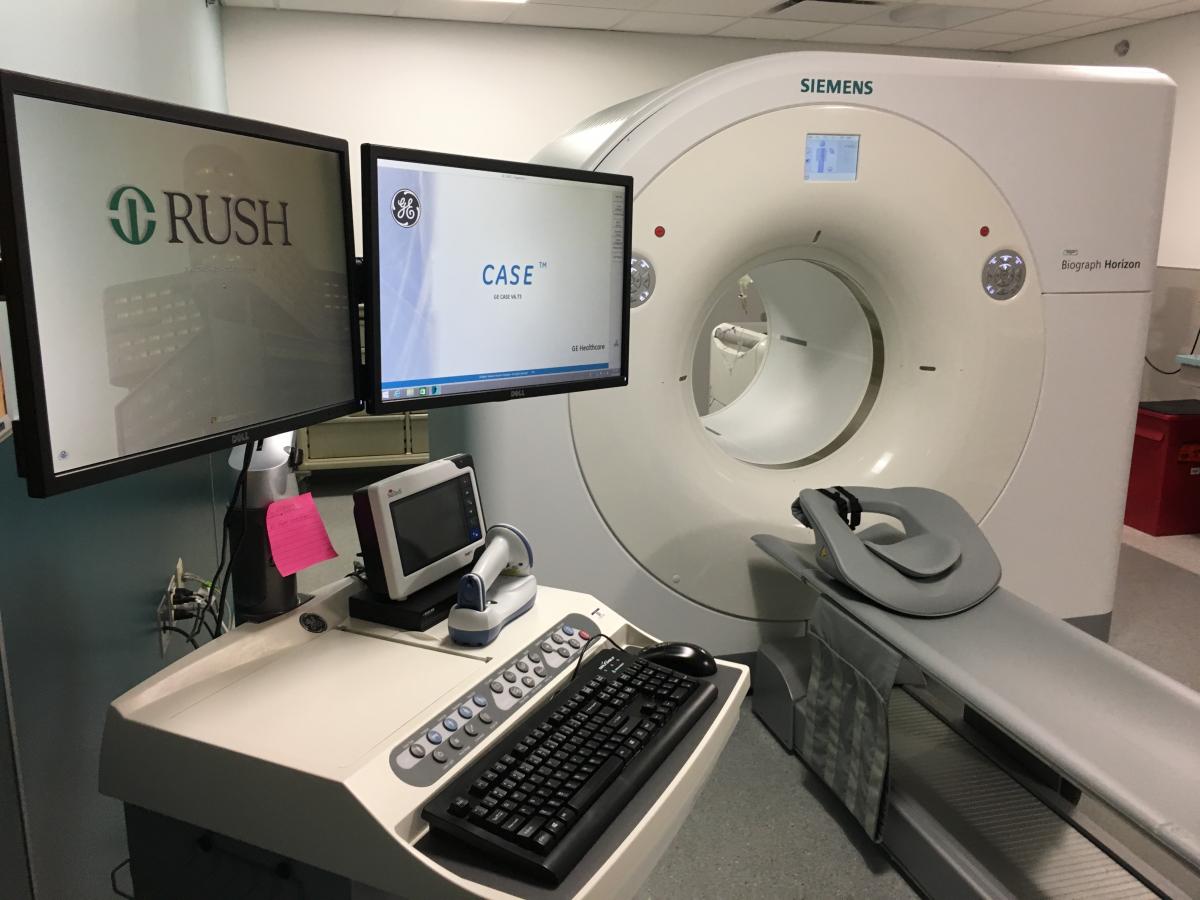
[{"x": 1001, "y": 25}]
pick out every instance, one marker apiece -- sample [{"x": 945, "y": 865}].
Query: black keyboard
[{"x": 540, "y": 798}]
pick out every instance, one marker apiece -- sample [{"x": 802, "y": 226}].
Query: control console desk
[{"x": 304, "y": 749}]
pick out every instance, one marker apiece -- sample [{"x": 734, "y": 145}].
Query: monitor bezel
[
  {"x": 31, "y": 431},
  {"x": 371, "y": 155}
]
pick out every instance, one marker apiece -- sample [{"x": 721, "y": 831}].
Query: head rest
[{"x": 940, "y": 564}]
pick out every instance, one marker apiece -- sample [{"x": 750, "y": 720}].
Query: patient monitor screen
[
  {"x": 187, "y": 282},
  {"x": 831, "y": 157},
  {"x": 495, "y": 282},
  {"x": 434, "y": 523}
]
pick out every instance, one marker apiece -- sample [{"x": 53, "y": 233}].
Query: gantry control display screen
[
  {"x": 494, "y": 280},
  {"x": 831, "y": 157}
]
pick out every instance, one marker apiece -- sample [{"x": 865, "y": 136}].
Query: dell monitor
[
  {"x": 177, "y": 280},
  {"x": 490, "y": 280}
]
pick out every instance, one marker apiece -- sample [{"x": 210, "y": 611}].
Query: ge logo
[
  {"x": 135, "y": 223},
  {"x": 406, "y": 208}
]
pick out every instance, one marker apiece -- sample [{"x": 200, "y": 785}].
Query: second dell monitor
[{"x": 490, "y": 280}]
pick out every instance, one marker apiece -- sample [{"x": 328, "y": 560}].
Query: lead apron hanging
[
  {"x": 842, "y": 721},
  {"x": 841, "y": 724}
]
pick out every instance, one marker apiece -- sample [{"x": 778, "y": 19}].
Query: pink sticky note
[{"x": 297, "y": 534}]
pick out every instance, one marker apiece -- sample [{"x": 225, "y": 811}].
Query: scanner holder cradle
[{"x": 499, "y": 588}]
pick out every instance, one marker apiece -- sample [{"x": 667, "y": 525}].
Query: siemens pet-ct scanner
[
  {"x": 888, "y": 361},
  {"x": 940, "y": 272}
]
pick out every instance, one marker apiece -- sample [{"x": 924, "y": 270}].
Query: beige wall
[{"x": 1171, "y": 46}]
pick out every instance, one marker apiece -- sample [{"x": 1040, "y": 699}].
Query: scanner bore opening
[{"x": 788, "y": 362}]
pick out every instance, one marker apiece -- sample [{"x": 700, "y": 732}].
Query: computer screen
[
  {"x": 178, "y": 281},
  {"x": 491, "y": 280}
]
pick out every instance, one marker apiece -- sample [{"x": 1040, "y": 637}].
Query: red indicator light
[
  {"x": 984, "y": 231},
  {"x": 659, "y": 231}
]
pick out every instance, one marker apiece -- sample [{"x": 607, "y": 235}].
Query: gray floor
[{"x": 763, "y": 827}]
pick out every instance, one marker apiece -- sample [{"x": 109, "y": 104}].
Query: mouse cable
[{"x": 588, "y": 643}]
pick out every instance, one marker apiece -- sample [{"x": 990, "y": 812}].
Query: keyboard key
[
  {"x": 480, "y": 787},
  {"x": 522, "y": 666},
  {"x": 479, "y": 813},
  {"x": 439, "y": 756},
  {"x": 567, "y": 815},
  {"x": 471, "y": 728},
  {"x": 564, "y": 653},
  {"x": 568, "y": 630},
  {"x": 539, "y": 671},
  {"x": 513, "y": 823},
  {"x": 497, "y": 687},
  {"x": 486, "y": 718},
  {"x": 595, "y": 785},
  {"x": 547, "y": 647},
  {"x": 530, "y": 829},
  {"x": 585, "y": 635},
  {"x": 456, "y": 742},
  {"x": 466, "y": 712},
  {"x": 557, "y": 638},
  {"x": 544, "y": 841},
  {"x": 510, "y": 676},
  {"x": 480, "y": 700},
  {"x": 417, "y": 750},
  {"x": 516, "y": 692},
  {"x": 450, "y": 724},
  {"x": 534, "y": 656},
  {"x": 574, "y": 642},
  {"x": 433, "y": 737},
  {"x": 460, "y": 807},
  {"x": 497, "y": 818},
  {"x": 556, "y": 827}
]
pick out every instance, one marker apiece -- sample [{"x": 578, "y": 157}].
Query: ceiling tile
[
  {"x": 987, "y": 4},
  {"x": 822, "y": 11},
  {"x": 1026, "y": 43},
  {"x": 601, "y": 4},
  {"x": 776, "y": 29},
  {"x": 872, "y": 34},
  {"x": 1094, "y": 7},
  {"x": 673, "y": 23},
  {"x": 358, "y": 7},
  {"x": 929, "y": 15},
  {"x": 466, "y": 10},
  {"x": 961, "y": 39},
  {"x": 714, "y": 7},
  {"x": 1094, "y": 27},
  {"x": 565, "y": 16},
  {"x": 1169, "y": 9},
  {"x": 1025, "y": 22}
]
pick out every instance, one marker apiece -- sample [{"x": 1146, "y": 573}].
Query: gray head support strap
[{"x": 940, "y": 564}]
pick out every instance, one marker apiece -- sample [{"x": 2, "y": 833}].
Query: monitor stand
[{"x": 420, "y": 611}]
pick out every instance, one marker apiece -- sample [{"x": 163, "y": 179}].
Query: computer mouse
[{"x": 686, "y": 659}]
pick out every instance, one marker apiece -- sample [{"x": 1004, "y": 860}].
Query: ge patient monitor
[
  {"x": 419, "y": 526},
  {"x": 177, "y": 280},
  {"x": 490, "y": 280}
]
